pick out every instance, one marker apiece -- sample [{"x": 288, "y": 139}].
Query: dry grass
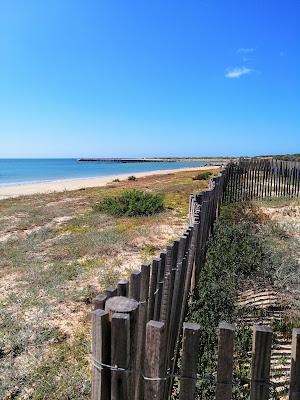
[{"x": 56, "y": 253}]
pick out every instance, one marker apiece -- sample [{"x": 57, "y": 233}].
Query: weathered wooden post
[
  {"x": 261, "y": 356},
  {"x": 100, "y": 300},
  {"x": 125, "y": 305},
  {"x": 100, "y": 355},
  {"x": 135, "y": 284},
  {"x": 225, "y": 361},
  {"x": 160, "y": 285},
  {"x": 167, "y": 290},
  {"x": 152, "y": 290},
  {"x": 188, "y": 373},
  {"x": 178, "y": 284},
  {"x": 142, "y": 320},
  {"x": 111, "y": 292},
  {"x": 123, "y": 288},
  {"x": 120, "y": 356},
  {"x": 294, "y": 393},
  {"x": 154, "y": 373},
  {"x": 178, "y": 321}
]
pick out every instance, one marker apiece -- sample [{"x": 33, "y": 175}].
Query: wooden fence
[
  {"x": 138, "y": 328},
  {"x": 138, "y": 325},
  {"x": 261, "y": 177},
  {"x": 260, "y": 383}
]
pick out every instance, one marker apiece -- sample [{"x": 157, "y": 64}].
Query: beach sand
[{"x": 80, "y": 183}]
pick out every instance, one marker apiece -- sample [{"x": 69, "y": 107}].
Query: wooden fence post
[
  {"x": 188, "y": 373},
  {"x": 187, "y": 268},
  {"x": 125, "y": 305},
  {"x": 120, "y": 356},
  {"x": 177, "y": 297},
  {"x": 178, "y": 320},
  {"x": 152, "y": 290},
  {"x": 142, "y": 319},
  {"x": 166, "y": 288},
  {"x": 100, "y": 300},
  {"x": 123, "y": 288},
  {"x": 225, "y": 361},
  {"x": 100, "y": 354},
  {"x": 154, "y": 373},
  {"x": 135, "y": 284},
  {"x": 295, "y": 367},
  {"x": 159, "y": 285},
  {"x": 261, "y": 356},
  {"x": 111, "y": 292}
]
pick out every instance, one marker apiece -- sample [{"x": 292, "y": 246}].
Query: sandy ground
[{"x": 75, "y": 184}]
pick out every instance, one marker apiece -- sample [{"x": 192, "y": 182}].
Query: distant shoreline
[
  {"x": 15, "y": 172},
  {"x": 24, "y": 189},
  {"x": 153, "y": 159}
]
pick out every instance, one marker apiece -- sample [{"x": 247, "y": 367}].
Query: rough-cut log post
[
  {"x": 178, "y": 321},
  {"x": 188, "y": 373},
  {"x": 135, "y": 284},
  {"x": 100, "y": 355},
  {"x": 261, "y": 356},
  {"x": 142, "y": 320},
  {"x": 125, "y": 305},
  {"x": 152, "y": 290},
  {"x": 225, "y": 361},
  {"x": 295, "y": 366},
  {"x": 172, "y": 300},
  {"x": 188, "y": 275},
  {"x": 100, "y": 300},
  {"x": 123, "y": 288},
  {"x": 120, "y": 356},
  {"x": 177, "y": 295},
  {"x": 160, "y": 285},
  {"x": 111, "y": 292},
  {"x": 154, "y": 374},
  {"x": 167, "y": 290},
  {"x": 187, "y": 267}
]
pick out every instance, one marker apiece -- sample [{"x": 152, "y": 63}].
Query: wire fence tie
[{"x": 100, "y": 365}]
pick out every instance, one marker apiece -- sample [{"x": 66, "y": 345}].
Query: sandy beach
[{"x": 75, "y": 184}]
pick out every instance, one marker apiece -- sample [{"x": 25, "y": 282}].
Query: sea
[{"x": 20, "y": 171}]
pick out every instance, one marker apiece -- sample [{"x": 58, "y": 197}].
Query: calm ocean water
[{"x": 14, "y": 171}]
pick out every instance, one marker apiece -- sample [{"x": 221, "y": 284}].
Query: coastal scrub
[
  {"x": 132, "y": 203},
  {"x": 56, "y": 253},
  {"x": 249, "y": 249}
]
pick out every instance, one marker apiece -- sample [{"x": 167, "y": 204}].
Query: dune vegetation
[
  {"x": 56, "y": 252},
  {"x": 251, "y": 275}
]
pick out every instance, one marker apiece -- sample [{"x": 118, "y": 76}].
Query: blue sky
[{"x": 143, "y": 78}]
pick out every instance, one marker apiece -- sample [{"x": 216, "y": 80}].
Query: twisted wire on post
[{"x": 101, "y": 366}]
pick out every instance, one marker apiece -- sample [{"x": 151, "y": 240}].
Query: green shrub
[
  {"x": 235, "y": 253},
  {"x": 132, "y": 203},
  {"x": 116, "y": 180},
  {"x": 132, "y": 178},
  {"x": 203, "y": 176},
  {"x": 243, "y": 250}
]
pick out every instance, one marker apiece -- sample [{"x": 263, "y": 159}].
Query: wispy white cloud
[
  {"x": 246, "y": 50},
  {"x": 237, "y": 72}
]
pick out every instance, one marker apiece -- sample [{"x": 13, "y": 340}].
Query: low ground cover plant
[
  {"x": 58, "y": 253},
  {"x": 57, "y": 262},
  {"x": 203, "y": 176},
  {"x": 241, "y": 250},
  {"x": 132, "y": 178},
  {"x": 132, "y": 203}
]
